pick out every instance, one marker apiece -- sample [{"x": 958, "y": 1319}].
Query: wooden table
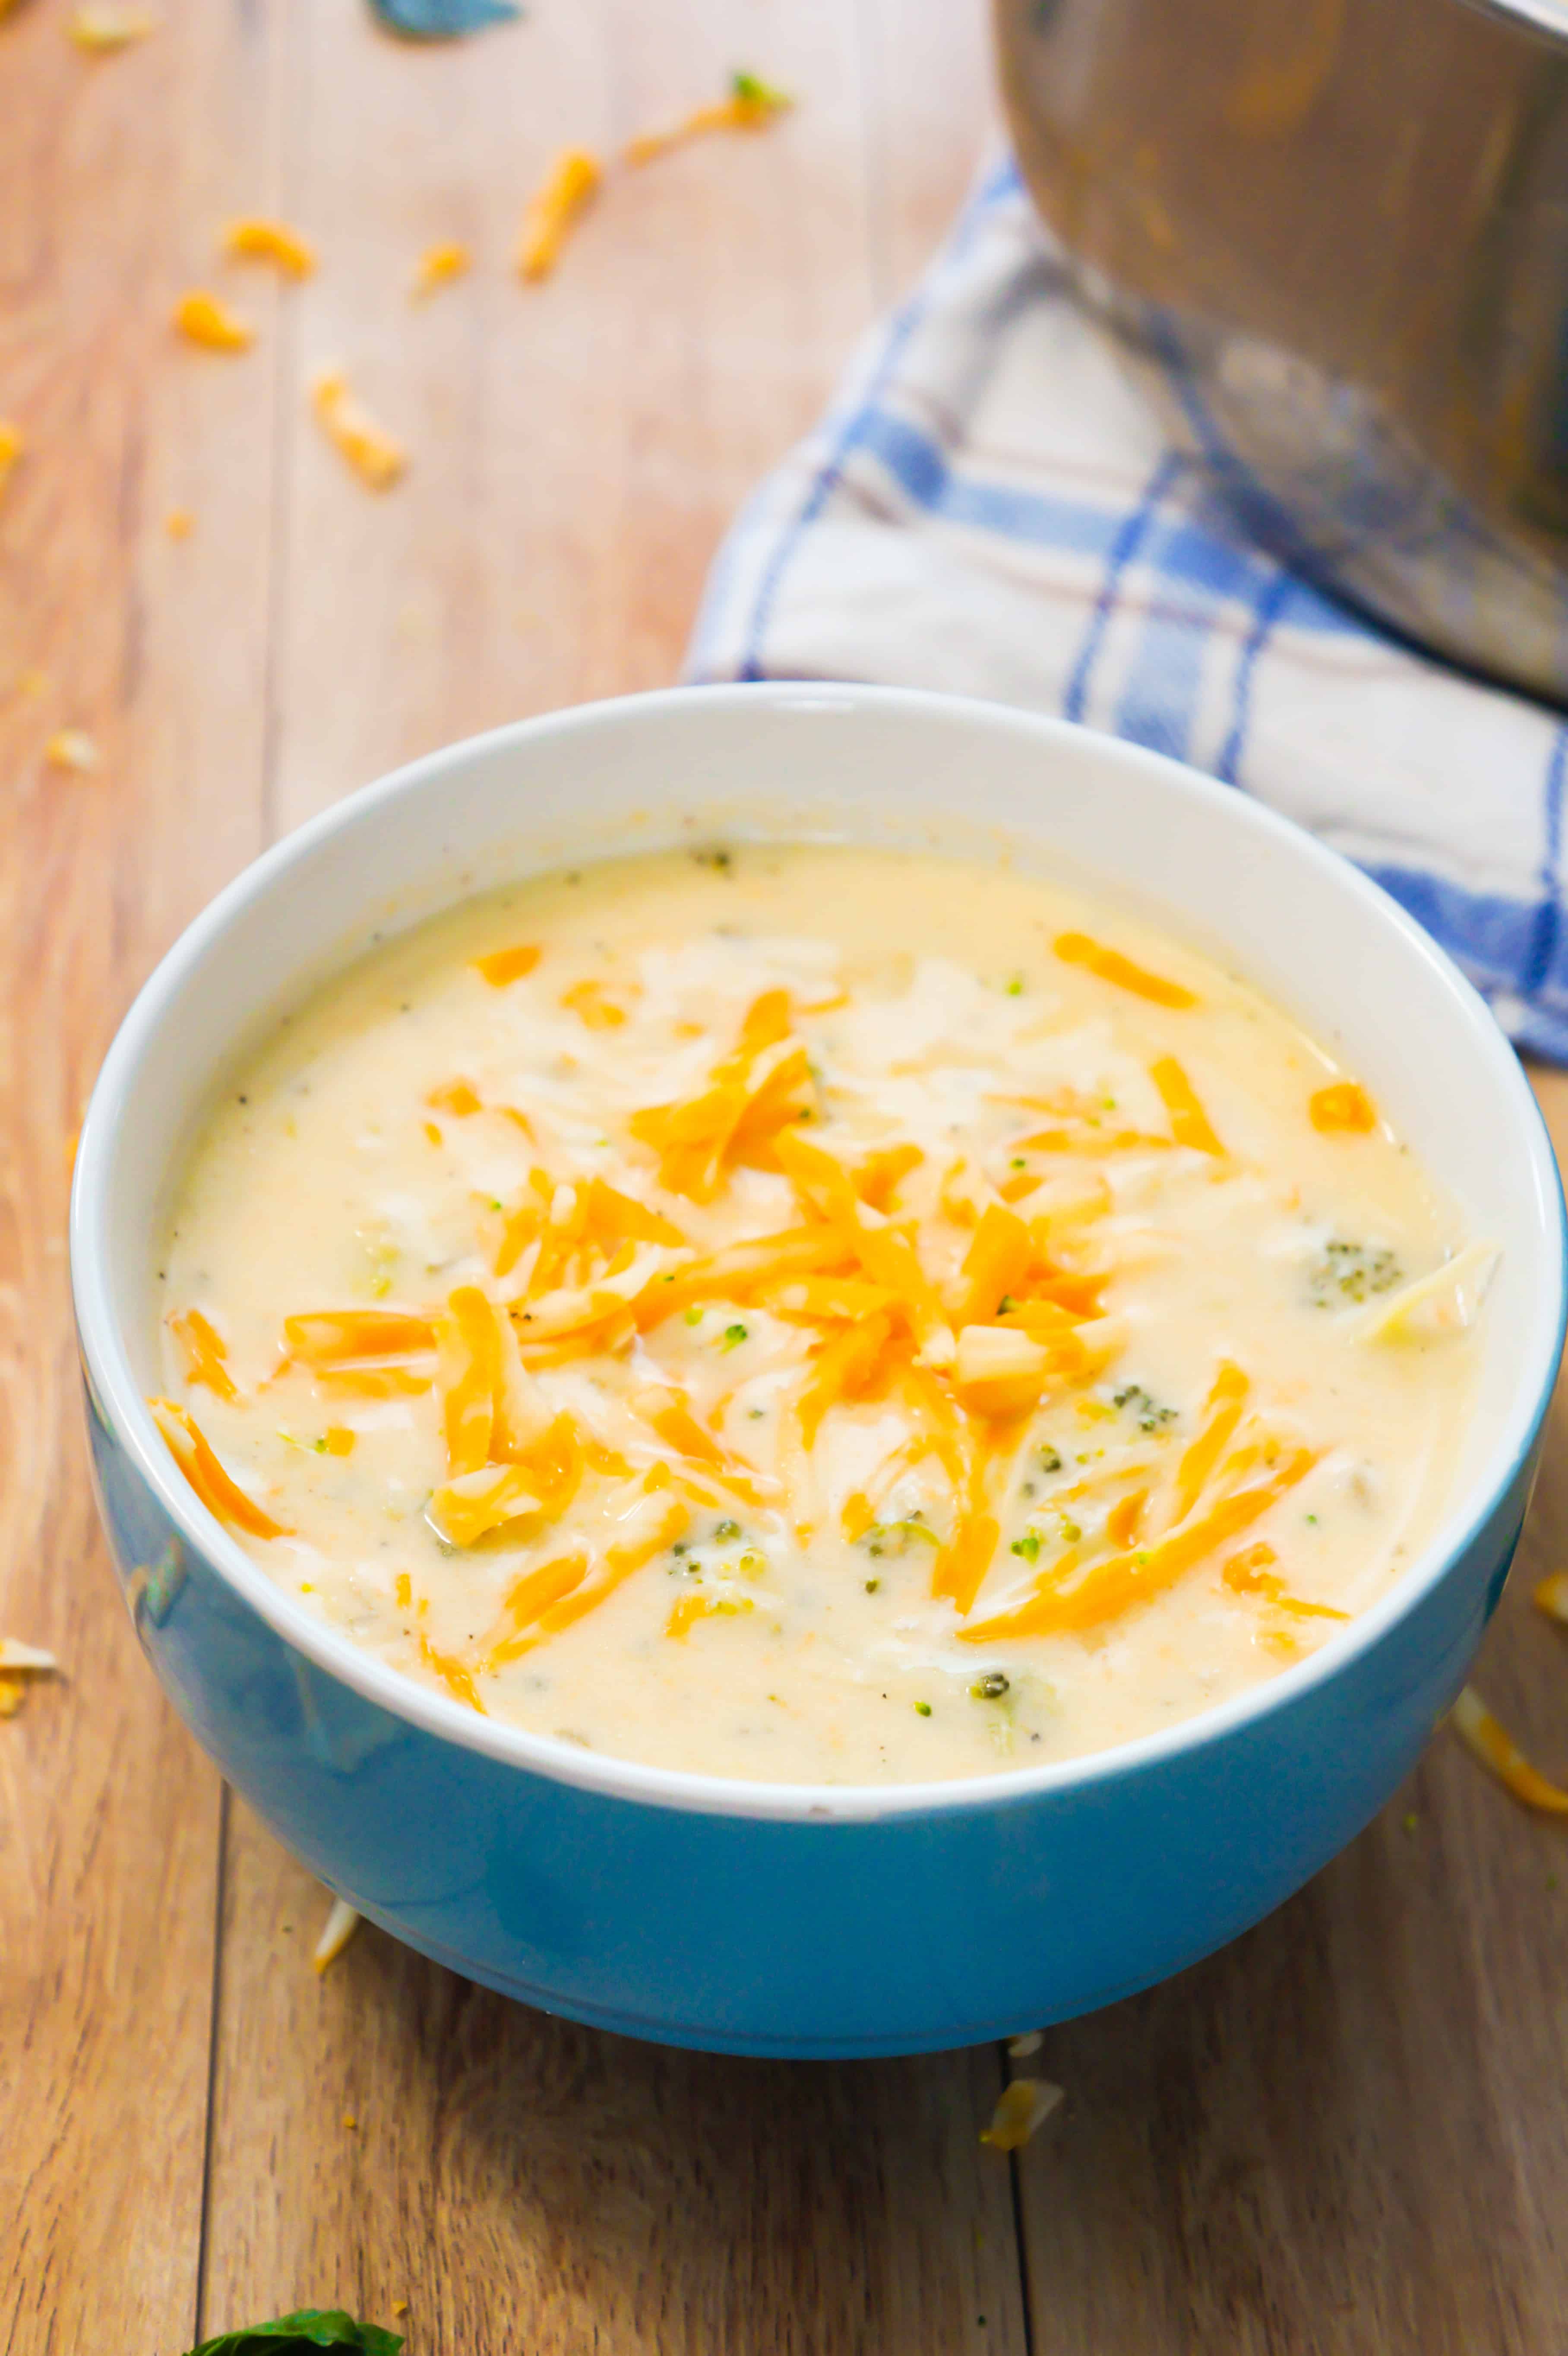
[{"x": 1344, "y": 2134}]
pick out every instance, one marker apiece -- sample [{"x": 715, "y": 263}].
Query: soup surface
[{"x": 815, "y": 1313}]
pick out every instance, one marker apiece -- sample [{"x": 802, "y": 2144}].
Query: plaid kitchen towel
[{"x": 989, "y": 509}]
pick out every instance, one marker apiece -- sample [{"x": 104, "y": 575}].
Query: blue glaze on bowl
[
  {"x": 889, "y": 1935},
  {"x": 766, "y": 1920}
]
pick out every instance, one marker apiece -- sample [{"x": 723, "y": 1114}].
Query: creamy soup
[{"x": 815, "y": 1313}]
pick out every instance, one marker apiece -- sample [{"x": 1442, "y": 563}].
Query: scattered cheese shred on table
[
  {"x": 11, "y": 448},
  {"x": 202, "y": 319},
  {"x": 1551, "y": 1597},
  {"x": 749, "y": 105},
  {"x": 72, "y": 748},
  {"x": 102, "y": 28},
  {"x": 438, "y": 266},
  {"x": 1020, "y": 2048},
  {"x": 18, "y": 1663},
  {"x": 254, "y": 239},
  {"x": 574, "y": 178},
  {"x": 339, "y": 1928},
  {"x": 1481, "y": 1734},
  {"x": 1024, "y": 2106},
  {"x": 369, "y": 449}
]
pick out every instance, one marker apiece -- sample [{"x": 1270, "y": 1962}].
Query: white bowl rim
[{"x": 109, "y": 1365}]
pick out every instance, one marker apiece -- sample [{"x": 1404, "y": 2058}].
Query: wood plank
[
  {"x": 577, "y": 449},
  {"x": 1346, "y": 2133},
  {"x": 112, "y": 181},
  {"x": 934, "y": 116},
  {"x": 522, "y": 2182}
]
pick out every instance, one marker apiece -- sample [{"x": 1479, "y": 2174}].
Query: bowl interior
[{"x": 862, "y": 764}]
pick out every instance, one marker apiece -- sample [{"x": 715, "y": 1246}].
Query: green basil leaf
[
  {"x": 441, "y": 20},
  {"x": 308, "y": 2328}
]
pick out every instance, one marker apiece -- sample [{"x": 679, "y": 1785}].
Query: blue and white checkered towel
[{"x": 988, "y": 508}]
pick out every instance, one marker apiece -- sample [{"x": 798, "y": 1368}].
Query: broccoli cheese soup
[{"x": 815, "y": 1313}]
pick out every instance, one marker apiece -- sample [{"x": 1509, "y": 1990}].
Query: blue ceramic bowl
[{"x": 769, "y": 1918}]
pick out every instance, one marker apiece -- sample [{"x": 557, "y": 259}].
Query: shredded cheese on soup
[{"x": 816, "y": 1314}]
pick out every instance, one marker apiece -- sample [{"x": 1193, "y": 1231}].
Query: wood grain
[{"x": 110, "y": 182}]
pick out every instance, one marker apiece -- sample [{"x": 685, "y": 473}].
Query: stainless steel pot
[{"x": 1332, "y": 238}]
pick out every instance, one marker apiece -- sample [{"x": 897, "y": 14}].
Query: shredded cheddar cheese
[
  {"x": 504, "y": 965},
  {"x": 1022, "y": 2111},
  {"x": 1550, "y": 1596},
  {"x": 749, "y": 107},
  {"x": 376, "y": 457},
  {"x": 573, "y": 181},
  {"x": 438, "y": 266},
  {"x": 73, "y": 749},
  {"x": 341, "y": 1923},
  {"x": 1077, "y": 948},
  {"x": 101, "y": 26},
  {"x": 1342, "y": 1109},
  {"x": 646, "y": 1301},
  {"x": 19, "y": 1663},
  {"x": 201, "y": 318},
  {"x": 11, "y": 448},
  {"x": 179, "y": 523},
  {"x": 1488, "y": 1741},
  {"x": 254, "y": 239}
]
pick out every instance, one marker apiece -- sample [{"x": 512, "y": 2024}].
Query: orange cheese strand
[
  {"x": 749, "y": 1095},
  {"x": 455, "y": 1096},
  {"x": 887, "y": 1257},
  {"x": 593, "y": 1007},
  {"x": 1550, "y": 1596},
  {"x": 575, "y": 178},
  {"x": 1249, "y": 1574},
  {"x": 824, "y": 1298},
  {"x": 375, "y": 455},
  {"x": 842, "y": 1371},
  {"x": 617, "y": 1566},
  {"x": 1125, "y": 1521},
  {"x": 1344, "y": 1106},
  {"x": 1110, "y": 965},
  {"x": 738, "y": 1271},
  {"x": 472, "y": 1504},
  {"x": 1109, "y": 1588},
  {"x": 101, "y": 26},
  {"x": 1480, "y": 1733},
  {"x": 528, "y": 1599},
  {"x": 457, "y": 1678},
  {"x": 875, "y": 1176},
  {"x": 470, "y": 1362},
  {"x": 750, "y": 106},
  {"x": 202, "y": 319},
  {"x": 502, "y": 966},
  {"x": 613, "y": 1217},
  {"x": 11, "y": 443},
  {"x": 1222, "y": 1413},
  {"x": 330, "y": 1337},
  {"x": 256, "y": 239},
  {"x": 695, "y": 1605},
  {"x": 438, "y": 266},
  {"x": 669, "y": 1414},
  {"x": 1189, "y": 1121},
  {"x": 1021, "y": 2109},
  {"x": 223, "y": 1497},
  {"x": 995, "y": 1265},
  {"x": 204, "y": 1351},
  {"x": 337, "y": 1440}
]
